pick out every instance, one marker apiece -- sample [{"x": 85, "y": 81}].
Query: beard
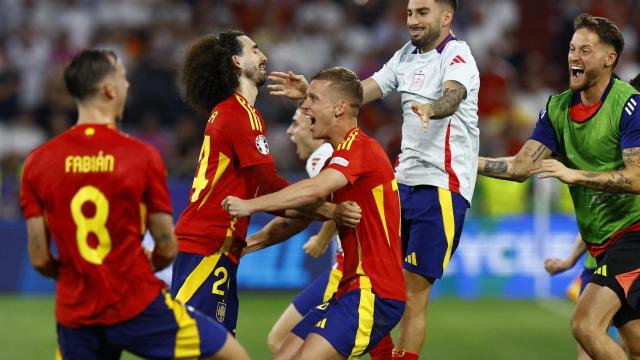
[
  {"x": 257, "y": 77},
  {"x": 427, "y": 39},
  {"x": 590, "y": 78}
]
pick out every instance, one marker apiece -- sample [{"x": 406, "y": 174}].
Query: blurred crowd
[{"x": 520, "y": 46}]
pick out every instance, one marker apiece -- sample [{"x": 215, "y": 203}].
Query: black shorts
[{"x": 619, "y": 270}]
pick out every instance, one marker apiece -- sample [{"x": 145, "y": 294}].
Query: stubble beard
[
  {"x": 590, "y": 79},
  {"x": 257, "y": 77},
  {"x": 429, "y": 38}
]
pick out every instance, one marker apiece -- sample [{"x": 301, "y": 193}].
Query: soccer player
[
  {"x": 91, "y": 189},
  {"x": 370, "y": 297},
  {"x": 439, "y": 81},
  {"x": 315, "y": 152},
  {"x": 594, "y": 130},
  {"x": 220, "y": 76}
]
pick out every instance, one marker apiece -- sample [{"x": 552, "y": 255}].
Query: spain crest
[{"x": 220, "y": 311}]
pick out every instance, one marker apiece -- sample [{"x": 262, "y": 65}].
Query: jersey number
[
  {"x": 200, "y": 181},
  {"x": 96, "y": 224},
  {"x": 216, "y": 285}
]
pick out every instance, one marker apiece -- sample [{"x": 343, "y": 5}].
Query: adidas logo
[
  {"x": 320, "y": 324},
  {"x": 457, "y": 60},
  {"x": 411, "y": 259},
  {"x": 602, "y": 270},
  {"x": 630, "y": 107}
]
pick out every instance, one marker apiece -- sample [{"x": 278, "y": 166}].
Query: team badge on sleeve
[{"x": 262, "y": 145}]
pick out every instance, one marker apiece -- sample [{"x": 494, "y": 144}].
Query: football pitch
[{"x": 458, "y": 329}]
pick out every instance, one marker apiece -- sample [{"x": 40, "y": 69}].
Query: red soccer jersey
[
  {"x": 234, "y": 141},
  {"x": 90, "y": 184},
  {"x": 372, "y": 251}
]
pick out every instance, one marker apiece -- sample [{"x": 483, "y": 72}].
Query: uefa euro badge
[
  {"x": 220, "y": 311},
  {"x": 418, "y": 81},
  {"x": 261, "y": 144}
]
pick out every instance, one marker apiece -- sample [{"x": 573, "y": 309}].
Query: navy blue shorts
[
  {"x": 353, "y": 324},
  {"x": 208, "y": 283},
  {"x": 585, "y": 277},
  {"x": 166, "y": 329},
  {"x": 319, "y": 291},
  {"x": 432, "y": 220}
]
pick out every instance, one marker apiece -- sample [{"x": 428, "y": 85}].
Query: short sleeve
[
  {"x": 630, "y": 124},
  {"x": 386, "y": 77},
  {"x": 350, "y": 161},
  {"x": 156, "y": 194},
  {"x": 245, "y": 133},
  {"x": 544, "y": 132},
  {"x": 30, "y": 202},
  {"x": 460, "y": 67}
]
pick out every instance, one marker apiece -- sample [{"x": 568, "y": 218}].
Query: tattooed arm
[
  {"x": 446, "y": 105},
  {"x": 625, "y": 180},
  {"x": 515, "y": 168}
]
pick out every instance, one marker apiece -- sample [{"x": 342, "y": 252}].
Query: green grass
[{"x": 458, "y": 329}]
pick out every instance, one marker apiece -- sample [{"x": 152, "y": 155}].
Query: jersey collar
[{"x": 442, "y": 44}]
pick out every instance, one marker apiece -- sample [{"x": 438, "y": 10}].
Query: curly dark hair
[{"x": 208, "y": 74}]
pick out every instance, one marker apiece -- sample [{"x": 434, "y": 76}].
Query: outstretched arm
[
  {"x": 275, "y": 232},
  {"x": 446, "y": 105},
  {"x": 515, "y": 168},
  {"x": 294, "y": 86},
  {"x": 625, "y": 180},
  {"x": 554, "y": 265},
  {"x": 301, "y": 194}
]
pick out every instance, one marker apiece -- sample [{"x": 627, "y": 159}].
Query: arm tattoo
[
  {"x": 450, "y": 100},
  {"x": 631, "y": 157},
  {"x": 616, "y": 182},
  {"x": 538, "y": 152},
  {"x": 496, "y": 167}
]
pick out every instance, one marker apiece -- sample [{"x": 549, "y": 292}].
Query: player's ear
[
  {"x": 108, "y": 89},
  {"x": 447, "y": 19},
  {"x": 611, "y": 59},
  {"x": 236, "y": 61},
  {"x": 340, "y": 108}
]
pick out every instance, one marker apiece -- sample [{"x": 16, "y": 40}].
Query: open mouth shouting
[
  {"x": 312, "y": 120},
  {"x": 577, "y": 72}
]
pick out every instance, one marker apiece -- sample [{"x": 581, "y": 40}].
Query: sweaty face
[
  {"x": 424, "y": 21},
  {"x": 587, "y": 59},
  {"x": 252, "y": 61},
  {"x": 319, "y": 108},
  {"x": 300, "y": 134}
]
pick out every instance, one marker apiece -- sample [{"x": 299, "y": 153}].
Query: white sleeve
[
  {"x": 460, "y": 66},
  {"x": 316, "y": 160},
  {"x": 386, "y": 77}
]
